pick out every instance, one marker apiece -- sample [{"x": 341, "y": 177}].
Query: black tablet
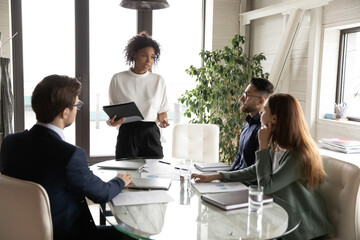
[{"x": 128, "y": 110}]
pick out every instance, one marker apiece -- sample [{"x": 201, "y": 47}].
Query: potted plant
[{"x": 220, "y": 83}]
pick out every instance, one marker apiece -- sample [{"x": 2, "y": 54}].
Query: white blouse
[{"x": 148, "y": 91}]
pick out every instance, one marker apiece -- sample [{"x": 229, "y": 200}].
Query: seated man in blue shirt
[
  {"x": 252, "y": 102},
  {"x": 41, "y": 155}
]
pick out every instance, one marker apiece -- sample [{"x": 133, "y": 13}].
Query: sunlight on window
[
  {"x": 352, "y": 75},
  {"x": 178, "y": 29},
  {"x": 49, "y": 48},
  {"x": 111, "y": 26}
]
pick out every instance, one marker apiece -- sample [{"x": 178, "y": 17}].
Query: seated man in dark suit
[
  {"x": 41, "y": 155},
  {"x": 252, "y": 102}
]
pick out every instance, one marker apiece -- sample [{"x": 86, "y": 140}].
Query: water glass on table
[
  {"x": 185, "y": 174},
  {"x": 256, "y": 194}
]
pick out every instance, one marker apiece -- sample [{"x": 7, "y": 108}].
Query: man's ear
[
  {"x": 64, "y": 114},
  {"x": 262, "y": 101}
]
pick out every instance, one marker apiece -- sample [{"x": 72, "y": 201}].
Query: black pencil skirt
[{"x": 139, "y": 139}]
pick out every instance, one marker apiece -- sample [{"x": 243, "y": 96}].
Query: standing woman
[
  {"x": 148, "y": 91},
  {"x": 288, "y": 166}
]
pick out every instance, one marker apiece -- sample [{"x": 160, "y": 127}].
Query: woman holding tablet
[{"x": 148, "y": 90}]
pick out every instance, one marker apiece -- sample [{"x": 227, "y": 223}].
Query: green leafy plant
[{"x": 220, "y": 84}]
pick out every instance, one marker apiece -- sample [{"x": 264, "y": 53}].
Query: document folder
[
  {"x": 128, "y": 110},
  {"x": 232, "y": 200}
]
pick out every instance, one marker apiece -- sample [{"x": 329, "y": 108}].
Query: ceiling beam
[{"x": 283, "y": 8}]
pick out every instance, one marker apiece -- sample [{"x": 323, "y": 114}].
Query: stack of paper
[{"x": 340, "y": 145}]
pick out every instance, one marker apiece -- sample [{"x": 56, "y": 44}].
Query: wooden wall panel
[
  {"x": 341, "y": 11},
  {"x": 225, "y": 22}
]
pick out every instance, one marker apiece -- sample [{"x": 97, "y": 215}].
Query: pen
[
  {"x": 164, "y": 162},
  {"x": 181, "y": 169}
]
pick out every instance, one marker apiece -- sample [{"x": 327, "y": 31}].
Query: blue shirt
[{"x": 248, "y": 143}]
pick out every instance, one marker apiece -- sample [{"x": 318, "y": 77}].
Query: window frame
[{"x": 341, "y": 78}]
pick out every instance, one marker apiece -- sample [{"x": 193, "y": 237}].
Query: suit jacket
[
  {"x": 287, "y": 189},
  {"x": 41, "y": 156}
]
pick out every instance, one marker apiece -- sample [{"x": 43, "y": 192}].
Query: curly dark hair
[{"x": 140, "y": 41}]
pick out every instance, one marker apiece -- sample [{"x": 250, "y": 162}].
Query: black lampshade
[{"x": 144, "y": 4}]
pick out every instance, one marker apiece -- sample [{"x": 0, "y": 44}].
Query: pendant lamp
[{"x": 144, "y": 5}]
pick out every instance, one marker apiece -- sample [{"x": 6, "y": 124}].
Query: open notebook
[{"x": 231, "y": 200}]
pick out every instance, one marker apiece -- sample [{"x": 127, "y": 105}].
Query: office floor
[{"x": 95, "y": 212}]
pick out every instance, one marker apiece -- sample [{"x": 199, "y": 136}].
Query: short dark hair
[
  {"x": 52, "y": 95},
  {"x": 262, "y": 85},
  {"x": 140, "y": 41}
]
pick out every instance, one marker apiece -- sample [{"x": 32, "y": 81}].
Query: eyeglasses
[
  {"x": 79, "y": 105},
  {"x": 246, "y": 95}
]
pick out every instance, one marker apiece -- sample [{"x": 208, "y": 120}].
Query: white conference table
[{"x": 189, "y": 217}]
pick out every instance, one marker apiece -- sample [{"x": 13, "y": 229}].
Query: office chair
[
  {"x": 199, "y": 142},
  {"x": 342, "y": 198},
  {"x": 24, "y": 210}
]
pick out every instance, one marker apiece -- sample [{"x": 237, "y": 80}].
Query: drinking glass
[{"x": 256, "y": 194}]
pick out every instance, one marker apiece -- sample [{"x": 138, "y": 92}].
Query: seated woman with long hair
[{"x": 288, "y": 166}]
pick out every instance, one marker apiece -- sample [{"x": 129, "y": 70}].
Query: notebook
[
  {"x": 113, "y": 164},
  {"x": 232, "y": 200},
  {"x": 128, "y": 110},
  {"x": 212, "y": 167},
  {"x": 150, "y": 183}
]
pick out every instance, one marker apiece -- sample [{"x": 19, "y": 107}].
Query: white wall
[
  {"x": 265, "y": 36},
  {"x": 225, "y": 22}
]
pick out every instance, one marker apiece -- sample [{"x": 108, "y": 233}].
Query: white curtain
[{"x": 7, "y": 100}]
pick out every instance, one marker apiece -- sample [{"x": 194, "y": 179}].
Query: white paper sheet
[
  {"x": 163, "y": 168},
  {"x": 217, "y": 187},
  {"x": 144, "y": 197}
]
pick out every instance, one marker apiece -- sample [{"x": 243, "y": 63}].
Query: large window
[
  {"x": 54, "y": 37},
  {"x": 49, "y": 48},
  {"x": 178, "y": 30},
  {"x": 348, "y": 85},
  {"x": 111, "y": 26}
]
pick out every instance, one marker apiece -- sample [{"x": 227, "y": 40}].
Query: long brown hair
[{"x": 291, "y": 132}]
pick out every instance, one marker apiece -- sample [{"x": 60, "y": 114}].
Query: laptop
[
  {"x": 125, "y": 164},
  {"x": 212, "y": 167},
  {"x": 232, "y": 200},
  {"x": 150, "y": 183}
]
